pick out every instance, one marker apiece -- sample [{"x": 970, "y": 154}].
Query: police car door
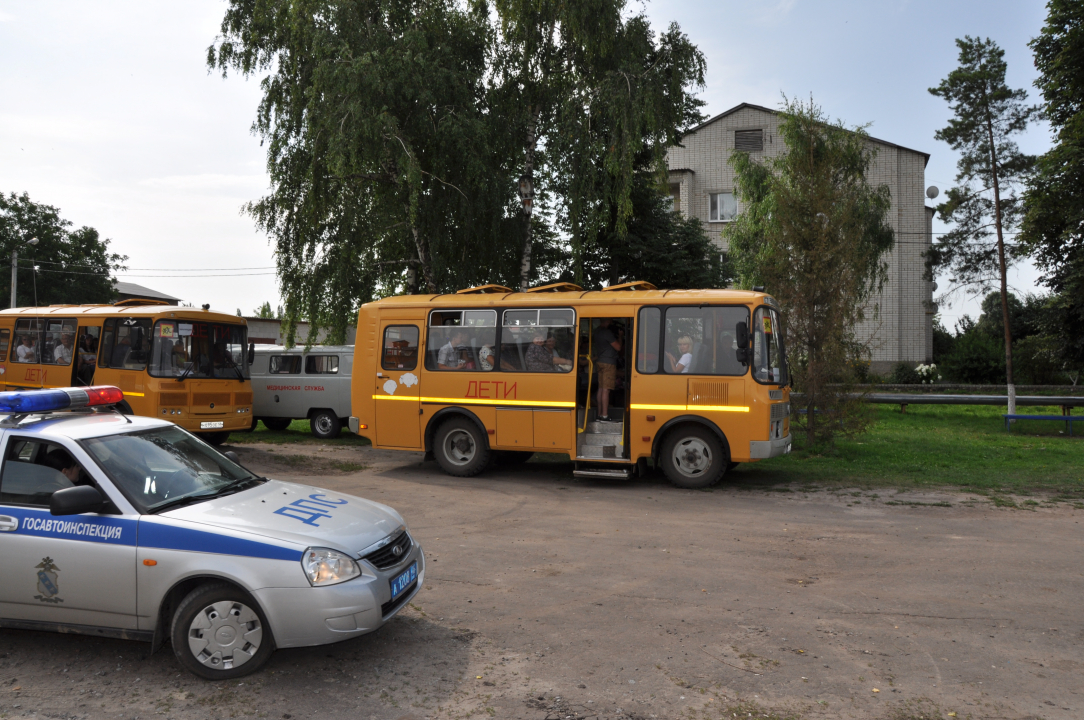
[{"x": 71, "y": 570}]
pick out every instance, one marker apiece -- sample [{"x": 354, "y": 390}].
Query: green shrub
[
  {"x": 977, "y": 359},
  {"x": 904, "y": 374}
]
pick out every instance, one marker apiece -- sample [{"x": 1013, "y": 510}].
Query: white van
[{"x": 290, "y": 384}]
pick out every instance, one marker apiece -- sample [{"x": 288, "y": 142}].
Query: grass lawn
[{"x": 932, "y": 446}]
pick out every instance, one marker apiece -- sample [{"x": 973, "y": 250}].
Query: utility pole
[{"x": 15, "y": 266}]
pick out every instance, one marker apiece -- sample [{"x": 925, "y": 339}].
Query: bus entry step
[{"x": 622, "y": 474}]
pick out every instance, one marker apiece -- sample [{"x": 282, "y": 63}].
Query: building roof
[
  {"x": 751, "y": 106},
  {"x": 127, "y": 288}
]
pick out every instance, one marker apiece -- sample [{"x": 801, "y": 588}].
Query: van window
[
  {"x": 400, "y": 348},
  {"x": 464, "y": 340},
  {"x": 284, "y": 365},
  {"x": 322, "y": 364}
]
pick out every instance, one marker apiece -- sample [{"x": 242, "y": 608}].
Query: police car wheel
[
  {"x": 692, "y": 457},
  {"x": 460, "y": 448},
  {"x": 219, "y": 632},
  {"x": 325, "y": 424}
]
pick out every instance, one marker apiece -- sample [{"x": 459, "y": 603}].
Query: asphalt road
[{"x": 548, "y": 597}]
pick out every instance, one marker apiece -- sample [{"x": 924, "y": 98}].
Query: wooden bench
[{"x": 1068, "y": 419}]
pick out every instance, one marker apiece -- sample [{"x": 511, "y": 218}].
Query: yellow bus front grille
[
  {"x": 208, "y": 398},
  {"x": 242, "y": 398},
  {"x": 172, "y": 398}
]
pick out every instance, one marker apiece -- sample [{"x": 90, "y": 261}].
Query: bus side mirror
[
  {"x": 251, "y": 353},
  {"x": 743, "y": 353}
]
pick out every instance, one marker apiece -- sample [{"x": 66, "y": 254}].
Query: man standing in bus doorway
[{"x": 607, "y": 346}]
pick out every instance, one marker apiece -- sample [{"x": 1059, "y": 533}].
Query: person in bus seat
[
  {"x": 539, "y": 358},
  {"x": 25, "y": 352},
  {"x": 685, "y": 349},
  {"x": 448, "y": 355},
  {"x": 62, "y": 353},
  {"x": 551, "y": 346}
]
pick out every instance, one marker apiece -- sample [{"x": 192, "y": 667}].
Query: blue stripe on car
[
  {"x": 84, "y": 528},
  {"x": 171, "y": 537}
]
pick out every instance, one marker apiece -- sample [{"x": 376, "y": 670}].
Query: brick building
[{"x": 702, "y": 185}]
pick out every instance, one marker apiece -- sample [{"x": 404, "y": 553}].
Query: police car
[{"x": 131, "y": 527}]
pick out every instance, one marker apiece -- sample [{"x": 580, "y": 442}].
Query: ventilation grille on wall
[{"x": 749, "y": 140}]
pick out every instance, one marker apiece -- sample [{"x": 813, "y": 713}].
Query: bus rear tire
[
  {"x": 325, "y": 424},
  {"x": 276, "y": 424},
  {"x": 693, "y": 458},
  {"x": 460, "y": 448},
  {"x": 512, "y": 457}
]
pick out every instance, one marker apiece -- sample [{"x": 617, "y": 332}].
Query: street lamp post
[{"x": 15, "y": 266}]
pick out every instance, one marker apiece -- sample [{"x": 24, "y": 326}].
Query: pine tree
[{"x": 987, "y": 113}]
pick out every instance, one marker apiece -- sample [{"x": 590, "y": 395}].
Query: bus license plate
[
  {"x": 403, "y": 580},
  {"x": 211, "y": 425}
]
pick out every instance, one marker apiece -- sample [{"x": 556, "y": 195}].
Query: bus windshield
[{"x": 198, "y": 350}]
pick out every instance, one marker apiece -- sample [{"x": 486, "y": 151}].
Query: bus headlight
[{"x": 324, "y": 566}]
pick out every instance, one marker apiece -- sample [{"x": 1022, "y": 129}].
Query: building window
[
  {"x": 675, "y": 197},
  {"x": 722, "y": 207},
  {"x": 749, "y": 140}
]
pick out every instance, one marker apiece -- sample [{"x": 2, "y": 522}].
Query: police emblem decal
[{"x": 48, "y": 582}]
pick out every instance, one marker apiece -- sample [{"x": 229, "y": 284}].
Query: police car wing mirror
[
  {"x": 76, "y": 501},
  {"x": 232, "y": 456},
  {"x": 742, "y": 341}
]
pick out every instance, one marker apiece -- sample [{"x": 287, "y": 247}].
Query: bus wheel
[
  {"x": 460, "y": 448},
  {"x": 277, "y": 424},
  {"x": 692, "y": 457},
  {"x": 216, "y": 438},
  {"x": 325, "y": 424}
]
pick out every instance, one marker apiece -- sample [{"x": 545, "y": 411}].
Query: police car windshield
[{"x": 160, "y": 467}]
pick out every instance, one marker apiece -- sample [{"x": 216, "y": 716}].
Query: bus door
[
  {"x": 603, "y": 368},
  {"x": 396, "y": 390},
  {"x": 86, "y": 354}
]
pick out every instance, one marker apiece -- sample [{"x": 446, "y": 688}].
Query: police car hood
[{"x": 301, "y": 514}]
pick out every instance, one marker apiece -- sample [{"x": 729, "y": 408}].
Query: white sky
[{"x": 108, "y": 113}]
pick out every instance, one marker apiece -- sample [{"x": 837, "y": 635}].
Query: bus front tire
[
  {"x": 325, "y": 424},
  {"x": 215, "y": 438},
  {"x": 276, "y": 424},
  {"x": 692, "y": 457},
  {"x": 460, "y": 448}
]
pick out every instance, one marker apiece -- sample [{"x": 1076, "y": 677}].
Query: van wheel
[
  {"x": 277, "y": 424},
  {"x": 461, "y": 448},
  {"x": 215, "y": 438},
  {"x": 325, "y": 424},
  {"x": 219, "y": 632},
  {"x": 692, "y": 457}
]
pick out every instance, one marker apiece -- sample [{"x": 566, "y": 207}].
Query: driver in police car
[{"x": 64, "y": 463}]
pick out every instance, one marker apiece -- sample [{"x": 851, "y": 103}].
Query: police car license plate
[
  {"x": 211, "y": 425},
  {"x": 403, "y": 580}
]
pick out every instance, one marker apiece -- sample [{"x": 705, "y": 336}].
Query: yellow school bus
[
  {"x": 695, "y": 380},
  {"x": 186, "y": 365}
]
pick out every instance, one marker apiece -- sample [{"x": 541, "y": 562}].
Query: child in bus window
[{"x": 685, "y": 348}]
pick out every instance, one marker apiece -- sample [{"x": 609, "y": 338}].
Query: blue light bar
[{"x": 39, "y": 401}]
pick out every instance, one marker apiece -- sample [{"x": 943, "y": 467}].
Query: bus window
[
  {"x": 198, "y": 349},
  {"x": 647, "y": 340},
  {"x": 702, "y": 340},
  {"x": 768, "y": 365},
  {"x": 284, "y": 365},
  {"x": 58, "y": 341},
  {"x": 538, "y": 340},
  {"x": 461, "y": 340},
  {"x": 400, "y": 348},
  {"x": 27, "y": 341},
  {"x": 86, "y": 350},
  {"x": 126, "y": 343},
  {"x": 321, "y": 364},
  {"x": 5, "y": 342}
]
